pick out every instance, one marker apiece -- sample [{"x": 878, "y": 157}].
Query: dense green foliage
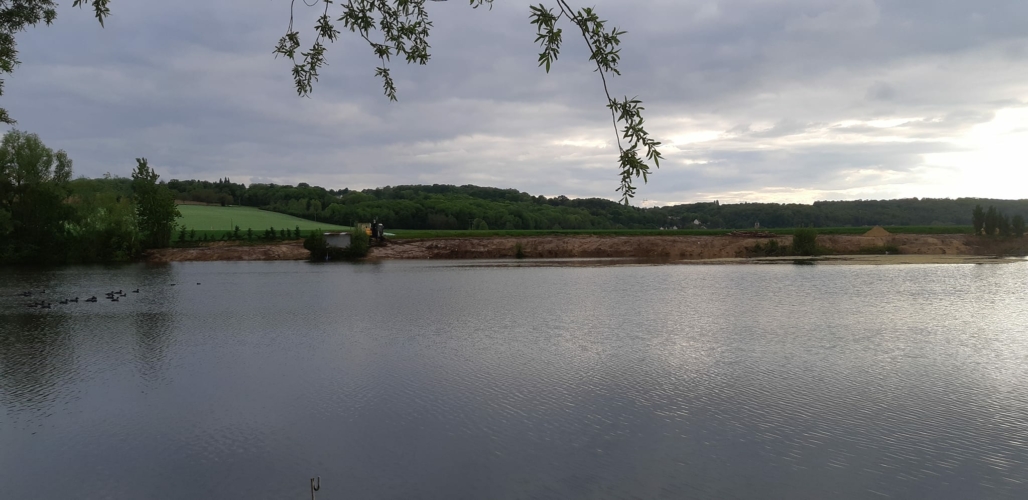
[
  {"x": 804, "y": 242},
  {"x": 47, "y": 218},
  {"x": 317, "y": 245},
  {"x": 33, "y": 185},
  {"x": 993, "y": 222},
  {"x": 360, "y": 243}
]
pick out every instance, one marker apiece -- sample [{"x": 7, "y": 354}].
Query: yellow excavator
[{"x": 375, "y": 230}]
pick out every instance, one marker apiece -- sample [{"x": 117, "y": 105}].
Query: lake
[{"x": 469, "y": 380}]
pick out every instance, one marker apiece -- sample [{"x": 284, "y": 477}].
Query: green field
[
  {"x": 419, "y": 234},
  {"x": 214, "y": 218}
]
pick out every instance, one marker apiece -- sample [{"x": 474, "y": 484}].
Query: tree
[
  {"x": 400, "y": 28},
  {"x": 804, "y": 242},
  {"x": 317, "y": 245},
  {"x": 155, "y": 206},
  {"x": 978, "y": 219},
  {"x": 991, "y": 221},
  {"x": 33, "y": 186},
  {"x": 1004, "y": 226},
  {"x": 1017, "y": 226}
]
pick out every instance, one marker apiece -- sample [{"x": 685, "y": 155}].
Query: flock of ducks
[{"x": 113, "y": 296}]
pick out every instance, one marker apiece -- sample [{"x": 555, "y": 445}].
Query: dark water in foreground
[{"x": 444, "y": 381}]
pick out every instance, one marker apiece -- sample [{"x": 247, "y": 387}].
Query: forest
[{"x": 472, "y": 207}]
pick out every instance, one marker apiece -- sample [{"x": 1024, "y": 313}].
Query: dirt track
[{"x": 641, "y": 247}]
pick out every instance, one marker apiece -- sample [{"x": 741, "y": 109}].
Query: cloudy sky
[{"x": 755, "y": 100}]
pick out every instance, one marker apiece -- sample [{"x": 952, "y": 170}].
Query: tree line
[
  {"x": 46, "y": 217},
  {"x": 472, "y": 207},
  {"x": 993, "y": 222}
]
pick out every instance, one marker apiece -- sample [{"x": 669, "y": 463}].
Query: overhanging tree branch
[{"x": 404, "y": 28}]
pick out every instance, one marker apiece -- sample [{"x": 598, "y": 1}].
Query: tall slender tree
[
  {"x": 978, "y": 219},
  {"x": 155, "y": 206},
  {"x": 991, "y": 221}
]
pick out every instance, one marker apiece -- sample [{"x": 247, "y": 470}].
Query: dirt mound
[
  {"x": 878, "y": 231},
  {"x": 229, "y": 251}
]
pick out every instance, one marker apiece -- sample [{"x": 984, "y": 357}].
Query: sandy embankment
[
  {"x": 651, "y": 247},
  {"x": 915, "y": 248},
  {"x": 289, "y": 250}
]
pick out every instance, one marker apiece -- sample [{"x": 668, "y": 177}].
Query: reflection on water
[{"x": 444, "y": 380}]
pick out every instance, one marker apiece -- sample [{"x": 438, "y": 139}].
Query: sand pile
[{"x": 877, "y": 231}]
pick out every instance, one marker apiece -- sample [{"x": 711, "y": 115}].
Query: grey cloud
[
  {"x": 881, "y": 91},
  {"x": 193, "y": 86}
]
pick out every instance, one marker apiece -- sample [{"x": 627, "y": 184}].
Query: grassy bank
[{"x": 215, "y": 220}]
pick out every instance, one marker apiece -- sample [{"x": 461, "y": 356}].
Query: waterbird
[
  {"x": 135, "y": 291},
  {"x": 65, "y": 301},
  {"x": 76, "y": 299},
  {"x": 114, "y": 299},
  {"x": 197, "y": 283}
]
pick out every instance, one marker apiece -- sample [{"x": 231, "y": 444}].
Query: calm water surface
[{"x": 448, "y": 381}]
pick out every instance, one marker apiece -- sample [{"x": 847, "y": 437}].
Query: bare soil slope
[
  {"x": 290, "y": 250},
  {"x": 649, "y": 247},
  {"x": 639, "y": 247}
]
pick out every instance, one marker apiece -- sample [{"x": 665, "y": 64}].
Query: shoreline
[{"x": 845, "y": 249}]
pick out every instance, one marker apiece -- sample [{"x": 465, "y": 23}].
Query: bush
[
  {"x": 317, "y": 245},
  {"x": 360, "y": 242},
  {"x": 804, "y": 242}
]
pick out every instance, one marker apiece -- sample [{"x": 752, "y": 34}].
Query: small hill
[{"x": 202, "y": 217}]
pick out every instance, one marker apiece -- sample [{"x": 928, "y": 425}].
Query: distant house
[
  {"x": 697, "y": 222},
  {"x": 337, "y": 240}
]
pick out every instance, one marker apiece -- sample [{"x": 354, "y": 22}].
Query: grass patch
[{"x": 216, "y": 220}]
